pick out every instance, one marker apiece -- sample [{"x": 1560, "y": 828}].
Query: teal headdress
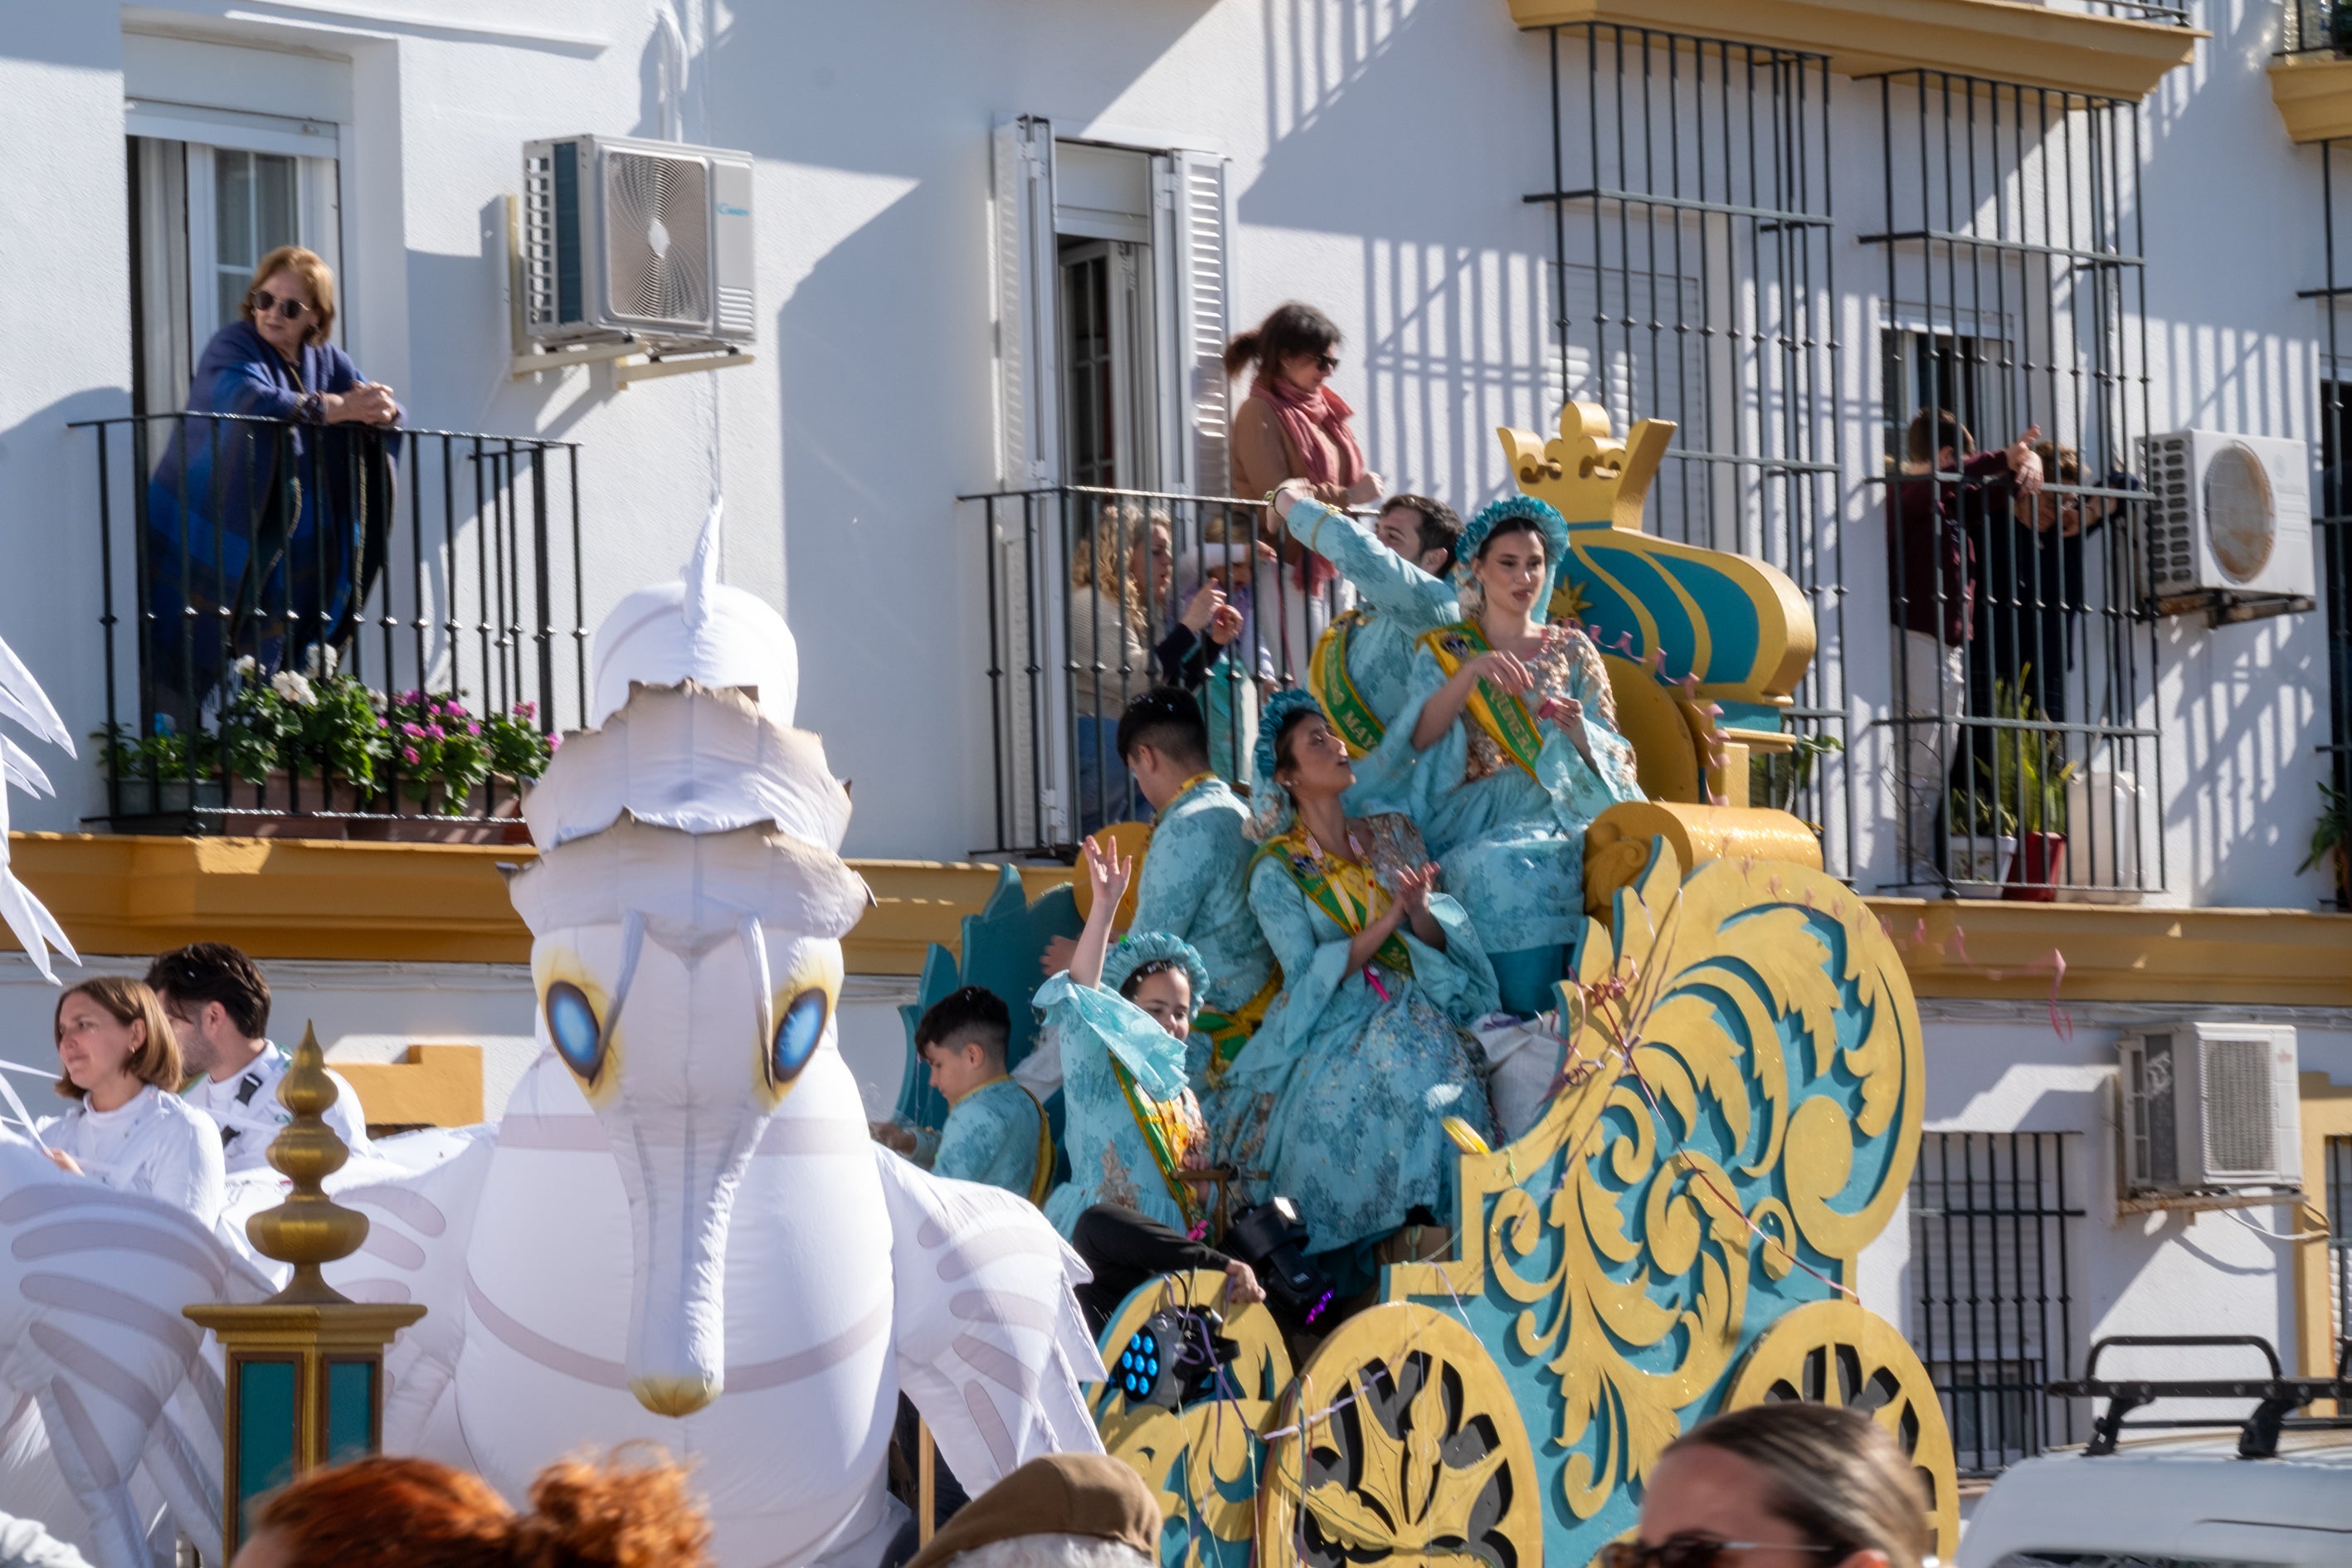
[
  {"x": 1134, "y": 951},
  {"x": 1270, "y": 808},
  {"x": 1547, "y": 522}
]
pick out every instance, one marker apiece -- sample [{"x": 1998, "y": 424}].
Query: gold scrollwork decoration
[
  {"x": 1404, "y": 1447},
  {"x": 1837, "y": 1352},
  {"x": 1205, "y": 1463}
]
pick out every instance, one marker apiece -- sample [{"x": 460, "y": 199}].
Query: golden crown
[{"x": 1586, "y": 473}]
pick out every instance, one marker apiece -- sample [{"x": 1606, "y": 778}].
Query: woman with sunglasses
[
  {"x": 1293, "y": 425},
  {"x": 1781, "y": 1486},
  {"x": 267, "y": 531}
]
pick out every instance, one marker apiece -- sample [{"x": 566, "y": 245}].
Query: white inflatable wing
[
  {"x": 22, "y": 700},
  {"x": 418, "y": 1230},
  {"x": 991, "y": 1344}
]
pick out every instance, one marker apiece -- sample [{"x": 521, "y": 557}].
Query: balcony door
[{"x": 212, "y": 193}]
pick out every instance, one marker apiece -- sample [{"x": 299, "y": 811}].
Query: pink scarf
[{"x": 1302, "y": 415}]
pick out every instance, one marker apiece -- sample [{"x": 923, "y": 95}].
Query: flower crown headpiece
[
  {"x": 1270, "y": 807},
  {"x": 1134, "y": 951},
  {"x": 1474, "y": 533}
]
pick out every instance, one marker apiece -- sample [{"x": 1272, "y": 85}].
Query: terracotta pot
[
  {"x": 309, "y": 807},
  {"x": 412, "y": 822},
  {"x": 2041, "y": 865}
]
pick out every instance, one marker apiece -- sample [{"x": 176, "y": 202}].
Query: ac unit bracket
[
  {"x": 2229, "y": 606},
  {"x": 2205, "y": 1203}
]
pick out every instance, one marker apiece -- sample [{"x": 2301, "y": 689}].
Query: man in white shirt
[{"x": 219, "y": 1007}]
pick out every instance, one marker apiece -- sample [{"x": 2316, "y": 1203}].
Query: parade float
[{"x": 1737, "y": 1115}]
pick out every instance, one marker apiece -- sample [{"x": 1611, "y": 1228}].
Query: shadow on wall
[
  {"x": 2254, "y": 706},
  {"x": 1455, "y": 336}
]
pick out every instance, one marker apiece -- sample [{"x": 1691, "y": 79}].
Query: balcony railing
[
  {"x": 331, "y": 632},
  {"x": 2310, "y": 26},
  {"x": 1071, "y": 645}
]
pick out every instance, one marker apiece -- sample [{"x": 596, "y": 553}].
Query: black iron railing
[
  {"x": 1992, "y": 1307},
  {"x": 2333, "y": 523},
  {"x": 1086, "y": 590},
  {"x": 2024, "y": 658},
  {"x": 2314, "y": 26},
  {"x": 333, "y": 631}
]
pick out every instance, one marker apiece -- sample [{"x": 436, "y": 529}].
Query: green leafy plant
[
  {"x": 166, "y": 755},
  {"x": 2331, "y": 837},
  {"x": 320, "y": 722},
  {"x": 2030, "y": 772},
  {"x": 440, "y": 748},
  {"x": 1979, "y": 814},
  {"x": 1776, "y": 779},
  {"x": 518, "y": 750}
]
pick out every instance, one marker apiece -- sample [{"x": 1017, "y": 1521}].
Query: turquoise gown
[
  {"x": 1195, "y": 885},
  {"x": 1510, "y": 844},
  {"x": 1396, "y": 601},
  {"x": 993, "y": 1136},
  {"x": 1109, "y": 1044},
  {"x": 1341, "y": 1096}
]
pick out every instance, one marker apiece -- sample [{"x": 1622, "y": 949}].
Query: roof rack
[{"x": 2258, "y": 1431}]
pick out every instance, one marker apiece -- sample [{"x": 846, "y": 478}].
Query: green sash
[
  {"x": 1289, "y": 852},
  {"x": 1327, "y": 678},
  {"x": 1500, "y": 715},
  {"x": 1159, "y": 1122},
  {"x": 1230, "y": 1032}
]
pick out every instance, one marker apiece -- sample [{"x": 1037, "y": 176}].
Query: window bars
[
  {"x": 1992, "y": 1307},
  {"x": 2013, "y": 299},
  {"x": 1692, "y": 281},
  {"x": 2340, "y": 1239},
  {"x": 2334, "y": 522},
  {"x": 2310, "y": 26}
]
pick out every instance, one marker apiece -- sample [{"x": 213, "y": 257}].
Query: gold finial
[
  {"x": 1586, "y": 473},
  {"x": 310, "y": 1228}
]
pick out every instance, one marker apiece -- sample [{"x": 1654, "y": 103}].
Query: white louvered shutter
[
  {"x": 1192, "y": 234},
  {"x": 1029, "y": 418}
]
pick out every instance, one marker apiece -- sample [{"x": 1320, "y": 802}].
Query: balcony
[
  {"x": 2311, "y": 79},
  {"x": 337, "y": 633}
]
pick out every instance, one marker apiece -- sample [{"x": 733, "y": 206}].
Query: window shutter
[
  {"x": 1028, "y": 384},
  {"x": 1192, "y": 222}
]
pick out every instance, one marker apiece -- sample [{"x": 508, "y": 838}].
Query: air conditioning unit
[
  {"x": 2228, "y": 517},
  {"x": 2209, "y": 1109},
  {"x": 650, "y": 241}
]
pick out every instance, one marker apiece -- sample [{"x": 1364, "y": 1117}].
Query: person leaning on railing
[{"x": 270, "y": 535}]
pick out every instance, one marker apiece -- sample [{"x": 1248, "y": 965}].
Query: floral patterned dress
[
  {"x": 1129, "y": 1124},
  {"x": 1341, "y": 1095}
]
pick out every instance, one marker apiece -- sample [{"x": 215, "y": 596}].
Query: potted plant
[
  {"x": 2331, "y": 840},
  {"x": 1979, "y": 844},
  {"x": 311, "y": 742},
  {"x": 2029, "y": 776},
  {"x": 163, "y": 777},
  {"x": 446, "y": 759}
]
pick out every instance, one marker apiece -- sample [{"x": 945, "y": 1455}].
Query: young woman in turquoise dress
[
  {"x": 1123, "y": 1013},
  {"x": 1343, "y": 1095},
  {"x": 1514, "y": 749}
]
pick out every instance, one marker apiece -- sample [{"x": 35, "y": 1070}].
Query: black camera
[
  {"x": 1270, "y": 1239},
  {"x": 1174, "y": 1358}
]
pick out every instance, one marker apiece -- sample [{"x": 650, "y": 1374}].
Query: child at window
[{"x": 995, "y": 1132}]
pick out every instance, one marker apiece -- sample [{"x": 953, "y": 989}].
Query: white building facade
[{"x": 997, "y": 251}]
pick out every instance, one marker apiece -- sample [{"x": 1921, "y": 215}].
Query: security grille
[
  {"x": 2334, "y": 522},
  {"x": 1992, "y": 1311},
  {"x": 1693, "y": 280},
  {"x": 2339, "y": 1235}
]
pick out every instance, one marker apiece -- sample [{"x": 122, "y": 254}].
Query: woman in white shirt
[{"x": 130, "y": 1128}]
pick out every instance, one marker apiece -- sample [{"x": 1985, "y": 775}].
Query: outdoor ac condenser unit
[
  {"x": 2228, "y": 515},
  {"x": 2210, "y": 1107},
  {"x": 647, "y": 239}
]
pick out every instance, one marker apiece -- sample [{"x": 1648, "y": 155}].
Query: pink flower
[
  {"x": 408, "y": 755},
  {"x": 472, "y": 727},
  {"x": 435, "y": 731},
  {"x": 526, "y": 710},
  {"x": 413, "y": 730},
  {"x": 554, "y": 743}
]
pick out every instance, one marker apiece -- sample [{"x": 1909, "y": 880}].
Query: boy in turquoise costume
[
  {"x": 1400, "y": 567},
  {"x": 995, "y": 1133}
]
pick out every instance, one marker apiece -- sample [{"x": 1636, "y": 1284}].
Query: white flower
[
  {"x": 246, "y": 666},
  {"x": 293, "y": 687},
  {"x": 319, "y": 661}
]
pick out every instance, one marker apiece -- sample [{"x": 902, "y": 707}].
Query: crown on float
[{"x": 1585, "y": 472}]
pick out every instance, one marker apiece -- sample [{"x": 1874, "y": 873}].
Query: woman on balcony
[
  {"x": 1293, "y": 425},
  {"x": 1513, "y": 750},
  {"x": 1341, "y": 1095},
  {"x": 267, "y": 518},
  {"x": 128, "y": 1127}
]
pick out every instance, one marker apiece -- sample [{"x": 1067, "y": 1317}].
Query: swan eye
[
  {"x": 797, "y": 1033},
  {"x": 571, "y": 1025}
]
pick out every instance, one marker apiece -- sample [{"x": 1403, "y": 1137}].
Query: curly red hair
[{"x": 585, "y": 1512}]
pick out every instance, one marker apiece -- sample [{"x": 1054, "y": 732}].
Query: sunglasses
[
  {"x": 1685, "y": 1552},
  {"x": 1329, "y": 361},
  {"x": 265, "y": 303}
]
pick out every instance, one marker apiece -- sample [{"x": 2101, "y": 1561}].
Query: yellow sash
[
  {"x": 1345, "y": 890},
  {"x": 1169, "y": 1136},
  {"x": 1500, "y": 715},
  {"x": 1043, "y": 1182},
  {"x": 1327, "y": 678},
  {"x": 1232, "y": 1031}
]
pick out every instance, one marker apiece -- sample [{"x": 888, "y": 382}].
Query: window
[
  {"x": 1693, "y": 280},
  {"x": 2013, "y": 301},
  {"x": 212, "y": 193},
  {"x": 2333, "y": 522},
  {"x": 2339, "y": 1238},
  {"x": 1992, "y": 1309}
]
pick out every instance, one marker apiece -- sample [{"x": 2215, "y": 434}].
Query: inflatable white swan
[{"x": 680, "y": 1231}]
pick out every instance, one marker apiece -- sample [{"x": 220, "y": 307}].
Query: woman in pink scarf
[{"x": 1294, "y": 426}]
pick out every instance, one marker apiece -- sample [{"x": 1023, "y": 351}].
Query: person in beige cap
[{"x": 1059, "y": 1511}]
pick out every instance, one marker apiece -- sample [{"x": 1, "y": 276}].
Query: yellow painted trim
[
  {"x": 2314, "y": 95},
  {"x": 418, "y": 902},
  {"x": 2002, "y": 40},
  {"x": 2326, "y": 1113},
  {"x": 433, "y": 1085}
]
